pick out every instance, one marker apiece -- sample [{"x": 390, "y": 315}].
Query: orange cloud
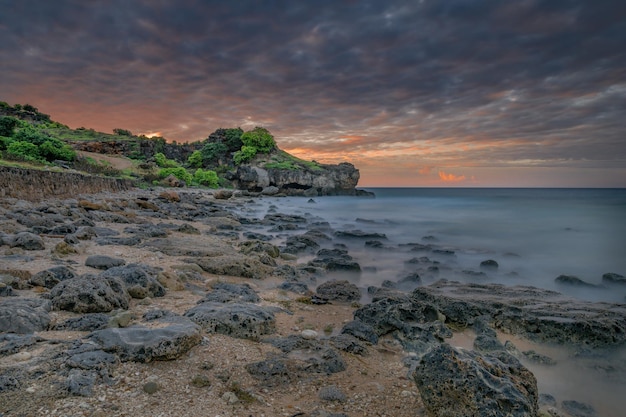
[{"x": 450, "y": 177}]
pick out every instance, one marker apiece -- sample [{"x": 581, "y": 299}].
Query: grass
[{"x": 283, "y": 160}]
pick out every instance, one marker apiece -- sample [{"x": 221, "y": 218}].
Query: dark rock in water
[
  {"x": 578, "y": 409},
  {"x": 489, "y": 264},
  {"x": 611, "y": 278},
  {"x": 300, "y": 243},
  {"x": 474, "y": 274},
  {"x": 335, "y": 260},
  {"x": 90, "y": 294},
  {"x": 361, "y": 331},
  {"x": 359, "y": 234},
  {"x": 537, "y": 314},
  {"x": 85, "y": 323},
  {"x": 223, "y": 292},
  {"x": 141, "y": 344},
  {"x": 446, "y": 252},
  {"x": 389, "y": 284},
  {"x": 27, "y": 241},
  {"x": 535, "y": 357},
  {"x": 24, "y": 315},
  {"x": 547, "y": 399},
  {"x": 103, "y": 261},
  {"x": 257, "y": 236},
  {"x": 572, "y": 280},
  {"x": 255, "y": 246},
  {"x": 242, "y": 320},
  {"x": 487, "y": 343},
  {"x": 339, "y": 291},
  {"x": 455, "y": 382},
  {"x": 139, "y": 280},
  {"x": 409, "y": 282},
  {"x": 373, "y": 244}
]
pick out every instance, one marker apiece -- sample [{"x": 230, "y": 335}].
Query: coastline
[{"x": 180, "y": 233}]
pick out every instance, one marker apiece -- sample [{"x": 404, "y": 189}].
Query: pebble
[
  {"x": 309, "y": 334},
  {"x": 230, "y": 397},
  {"x": 150, "y": 387},
  {"x": 22, "y": 356}
]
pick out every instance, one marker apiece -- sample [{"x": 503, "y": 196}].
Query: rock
[
  {"x": 6, "y": 291},
  {"x": 331, "y": 393},
  {"x": 170, "y": 195},
  {"x": 80, "y": 382},
  {"x": 121, "y": 319},
  {"x": 187, "y": 229},
  {"x": 359, "y": 234},
  {"x": 348, "y": 343},
  {"x": 140, "y": 280},
  {"x": 172, "y": 181},
  {"x": 51, "y": 277},
  {"x": 242, "y": 320},
  {"x": 233, "y": 265},
  {"x": 309, "y": 334},
  {"x": 573, "y": 281},
  {"x": 300, "y": 243},
  {"x": 27, "y": 241},
  {"x": 91, "y": 360},
  {"x": 271, "y": 190},
  {"x": 611, "y": 278},
  {"x": 578, "y": 409},
  {"x": 85, "y": 323},
  {"x": 297, "y": 287},
  {"x": 150, "y": 387},
  {"x": 255, "y": 246},
  {"x": 24, "y": 315},
  {"x": 489, "y": 264},
  {"x": 456, "y": 382},
  {"x": 339, "y": 291},
  {"x": 141, "y": 344},
  {"x": 90, "y": 294},
  {"x": 361, "y": 331},
  {"x": 223, "y": 292},
  {"x": 103, "y": 261},
  {"x": 122, "y": 241},
  {"x": 335, "y": 260},
  {"x": 537, "y": 314},
  {"x": 222, "y": 194},
  {"x": 535, "y": 357}
]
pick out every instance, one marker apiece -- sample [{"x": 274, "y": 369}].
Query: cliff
[{"x": 34, "y": 185}]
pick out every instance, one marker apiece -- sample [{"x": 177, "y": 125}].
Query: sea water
[{"x": 534, "y": 235}]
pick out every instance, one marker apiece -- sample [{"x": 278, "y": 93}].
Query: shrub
[
  {"x": 245, "y": 154},
  {"x": 24, "y": 150},
  {"x": 212, "y": 151},
  {"x": 53, "y": 149},
  {"x": 259, "y": 138},
  {"x": 208, "y": 178},
  {"x": 163, "y": 162},
  {"x": 195, "y": 159},
  {"x": 122, "y": 132},
  {"x": 179, "y": 172},
  {"x": 28, "y": 133},
  {"x": 7, "y": 124},
  {"x": 5, "y": 142},
  {"x": 232, "y": 138}
]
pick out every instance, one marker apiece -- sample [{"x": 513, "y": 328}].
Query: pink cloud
[{"x": 450, "y": 177}]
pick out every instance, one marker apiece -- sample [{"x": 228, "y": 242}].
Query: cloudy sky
[{"x": 413, "y": 92}]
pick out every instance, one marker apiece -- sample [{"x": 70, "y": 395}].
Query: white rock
[
  {"x": 22, "y": 356},
  {"x": 309, "y": 334}
]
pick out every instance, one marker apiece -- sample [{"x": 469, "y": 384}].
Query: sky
[{"x": 434, "y": 93}]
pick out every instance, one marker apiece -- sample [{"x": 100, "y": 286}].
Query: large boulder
[
  {"x": 341, "y": 290},
  {"x": 457, "y": 383},
  {"x": 27, "y": 241},
  {"x": 51, "y": 277},
  {"x": 242, "y": 320},
  {"x": 90, "y": 294},
  {"x": 24, "y": 315},
  {"x": 139, "y": 280}
]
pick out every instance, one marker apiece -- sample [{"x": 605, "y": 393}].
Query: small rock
[
  {"x": 611, "y": 278},
  {"x": 489, "y": 264},
  {"x": 230, "y": 398},
  {"x": 332, "y": 393},
  {"x": 309, "y": 334},
  {"x": 27, "y": 241},
  {"x": 578, "y": 409},
  {"x": 22, "y": 356},
  {"x": 103, "y": 262},
  {"x": 200, "y": 381},
  {"x": 150, "y": 387},
  {"x": 222, "y": 194}
]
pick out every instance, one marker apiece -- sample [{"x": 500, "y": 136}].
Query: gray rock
[
  {"x": 233, "y": 265},
  {"x": 122, "y": 241},
  {"x": 223, "y": 292},
  {"x": 339, "y": 291},
  {"x": 242, "y": 320},
  {"x": 80, "y": 382},
  {"x": 299, "y": 244},
  {"x": 24, "y": 315},
  {"x": 361, "y": 331},
  {"x": 6, "y": 290},
  {"x": 359, "y": 234},
  {"x": 578, "y": 409},
  {"x": 331, "y": 393},
  {"x": 141, "y": 344},
  {"x": 297, "y": 287},
  {"x": 348, "y": 343},
  {"x": 51, "y": 277},
  {"x": 612, "y": 278},
  {"x": 335, "y": 260},
  {"x": 27, "y": 241},
  {"x": 535, "y": 357},
  {"x": 85, "y": 323},
  {"x": 8, "y": 383},
  {"x": 573, "y": 281},
  {"x": 456, "y": 382},
  {"x": 489, "y": 264},
  {"x": 103, "y": 262},
  {"x": 271, "y": 190},
  {"x": 92, "y": 360},
  {"x": 89, "y": 294},
  {"x": 540, "y": 315},
  {"x": 12, "y": 343},
  {"x": 255, "y": 246},
  {"x": 139, "y": 280}
]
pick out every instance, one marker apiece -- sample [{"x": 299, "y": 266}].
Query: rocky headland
[{"x": 187, "y": 302}]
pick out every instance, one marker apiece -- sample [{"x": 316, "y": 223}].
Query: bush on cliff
[
  {"x": 7, "y": 124},
  {"x": 179, "y": 172},
  {"x": 207, "y": 178},
  {"x": 195, "y": 159},
  {"x": 25, "y": 151},
  {"x": 163, "y": 162},
  {"x": 259, "y": 138}
]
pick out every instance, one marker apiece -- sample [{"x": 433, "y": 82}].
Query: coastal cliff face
[
  {"x": 147, "y": 148},
  {"x": 33, "y": 185},
  {"x": 338, "y": 179}
]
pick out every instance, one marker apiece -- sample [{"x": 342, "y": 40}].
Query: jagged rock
[
  {"x": 103, "y": 261},
  {"x": 578, "y": 409},
  {"x": 141, "y": 344},
  {"x": 6, "y": 291},
  {"x": 335, "y": 260},
  {"x": 455, "y": 382},
  {"x": 359, "y": 234},
  {"x": 222, "y": 194},
  {"x": 255, "y": 246},
  {"x": 339, "y": 291},
  {"x": 233, "y": 265},
  {"x": 242, "y": 320},
  {"x": 51, "y": 277},
  {"x": 537, "y": 314},
  {"x": 223, "y": 292},
  {"x": 85, "y": 323},
  {"x": 489, "y": 264},
  {"x": 24, "y": 315},
  {"x": 297, "y": 287},
  {"x": 90, "y": 294},
  {"x": 80, "y": 382},
  {"x": 27, "y": 241},
  {"x": 572, "y": 280},
  {"x": 331, "y": 393},
  {"x": 139, "y": 280},
  {"x": 612, "y": 278},
  {"x": 361, "y": 331},
  {"x": 348, "y": 343},
  {"x": 300, "y": 243}
]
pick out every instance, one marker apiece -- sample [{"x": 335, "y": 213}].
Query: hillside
[{"x": 229, "y": 158}]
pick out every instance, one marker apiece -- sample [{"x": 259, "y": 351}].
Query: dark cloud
[{"x": 490, "y": 82}]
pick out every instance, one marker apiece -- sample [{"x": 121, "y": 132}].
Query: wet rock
[
  {"x": 140, "y": 280},
  {"x": 361, "y": 331},
  {"x": 489, "y": 264},
  {"x": 223, "y": 292},
  {"x": 141, "y": 344},
  {"x": 335, "y": 260},
  {"x": 103, "y": 261},
  {"x": 339, "y": 291},
  {"x": 299, "y": 244},
  {"x": 90, "y": 294},
  {"x": 24, "y": 315},
  {"x": 359, "y": 234},
  {"x": 573, "y": 281},
  {"x": 6, "y": 291},
  {"x": 233, "y": 265},
  {"x": 85, "y": 323},
  {"x": 242, "y": 320},
  {"x": 27, "y": 241},
  {"x": 611, "y": 278},
  {"x": 255, "y": 246},
  {"x": 456, "y": 382},
  {"x": 578, "y": 409}
]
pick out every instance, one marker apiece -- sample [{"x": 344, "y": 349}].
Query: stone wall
[{"x": 29, "y": 184}]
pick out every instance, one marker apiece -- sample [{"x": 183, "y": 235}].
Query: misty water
[{"x": 534, "y": 235}]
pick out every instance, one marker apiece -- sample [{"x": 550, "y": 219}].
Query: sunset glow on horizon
[{"x": 433, "y": 93}]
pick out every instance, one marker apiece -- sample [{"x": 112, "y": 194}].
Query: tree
[
  {"x": 163, "y": 162},
  {"x": 208, "y": 178},
  {"x": 195, "y": 159},
  {"x": 245, "y": 154},
  {"x": 259, "y": 138},
  {"x": 7, "y": 124},
  {"x": 122, "y": 132}
]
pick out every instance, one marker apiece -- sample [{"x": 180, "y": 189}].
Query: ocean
[{"x": 534, "y": 234}]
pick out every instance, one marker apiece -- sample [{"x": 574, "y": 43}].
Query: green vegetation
[
  {"x": 7, "y": 124},
  {"x": 195, "y": 159},
  {"x": 244, "y": 155},
  {"x": 122, "y": 132},
  {"x": 163, "y": 162},
  {"x": 179, "y": 172},
  {"x": 207, "y": 178},
  {"x": 257, "y": 140},
  {"x": 283, "y": 160}
]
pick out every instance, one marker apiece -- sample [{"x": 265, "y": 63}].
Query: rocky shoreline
[{"x": 162, "y": 302}]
